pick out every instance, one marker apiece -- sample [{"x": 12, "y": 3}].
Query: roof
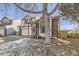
[
  {"x": 55, "y": 17},
  {"x": 5, "y": 18},
  {"x": 28, "y": 16}
]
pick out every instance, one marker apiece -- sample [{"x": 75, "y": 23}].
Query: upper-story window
[{"x": 28, "y": 21}]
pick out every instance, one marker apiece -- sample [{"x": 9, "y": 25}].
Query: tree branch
[
  {"x": 28, "y": 11},
  {"x": 54, "y": 9},
  {"x": 51, "y": 11},
  {"x": 37, "y": 12}
]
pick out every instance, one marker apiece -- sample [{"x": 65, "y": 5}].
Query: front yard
[
  {"x": 67, "y": 42},
  {"x": 21, "y": 45}
]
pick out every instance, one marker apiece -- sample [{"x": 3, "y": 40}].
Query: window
[
  {"x": 42, "y": 26},
  {"x": 28, "y": 21}
]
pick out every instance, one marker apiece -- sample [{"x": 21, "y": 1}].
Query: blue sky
[
  {"x": 13, "y": 13},
  {"x": 66, "y": 25}
]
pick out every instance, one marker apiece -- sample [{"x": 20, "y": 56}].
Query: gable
[
  {"x": 6, "y": 21},
  {"x": 28, "y": 19}
]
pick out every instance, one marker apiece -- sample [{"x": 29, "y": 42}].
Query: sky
[{"x": 13, "y": 13}]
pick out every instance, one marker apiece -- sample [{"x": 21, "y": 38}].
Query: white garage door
[
  {"x": 26, "y": 31},
  {"x": 10, "y": 31},
  {"x": 2, "y": 31}
]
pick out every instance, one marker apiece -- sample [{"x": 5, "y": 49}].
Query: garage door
[
  {"x": 2, "y": 31},
  {"x": 10, "y": 31},
  {"x": 27, "y": 31}
]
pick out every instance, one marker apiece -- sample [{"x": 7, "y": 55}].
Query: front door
[{"x": 54, "y": 27}]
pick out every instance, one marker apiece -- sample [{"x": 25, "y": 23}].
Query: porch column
[{"x": 37, "y": 29}]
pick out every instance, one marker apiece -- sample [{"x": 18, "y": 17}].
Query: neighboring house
[
  {"x": 11, "y": 26},
  {"x": 5, "y": 21},
  {"x": 27, "y": 25},
  {"x": 14, "y": 26}
]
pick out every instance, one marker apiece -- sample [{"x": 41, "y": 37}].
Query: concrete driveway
[{"x": 10, "y": 38}]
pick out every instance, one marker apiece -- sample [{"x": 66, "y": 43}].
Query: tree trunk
[
  {"x": 47, "y": 23},
  {"x": 47, "y": 30}
]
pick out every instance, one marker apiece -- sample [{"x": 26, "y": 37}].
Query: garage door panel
[
  {"x": 26, "y": 31},
  {"x": 2, "y": 31}
]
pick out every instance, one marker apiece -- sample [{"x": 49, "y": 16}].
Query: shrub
[
  {"x": 62, "y": 34},
  {"x": 73, "y": 35}
]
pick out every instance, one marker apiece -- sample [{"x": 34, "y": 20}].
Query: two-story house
[
  {"x": 27, "y": 25},
  {"x": 5, "y": 21}
]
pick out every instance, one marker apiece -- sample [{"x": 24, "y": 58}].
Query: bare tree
[
  {"x": 47, "y": 24},
  {"x": 28, "y": 11}
]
